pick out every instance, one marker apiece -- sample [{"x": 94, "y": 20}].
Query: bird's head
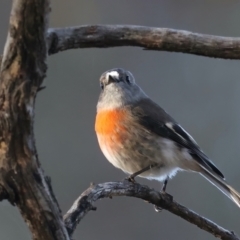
[{"x": 118, "y": 89}]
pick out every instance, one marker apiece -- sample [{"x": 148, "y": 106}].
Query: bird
[{"x": 139, "y": 137}]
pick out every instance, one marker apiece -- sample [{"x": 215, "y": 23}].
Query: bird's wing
[{"x": 155, "y": 120}]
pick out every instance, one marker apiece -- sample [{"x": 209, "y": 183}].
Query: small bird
[{"x": 136, "y": 135}]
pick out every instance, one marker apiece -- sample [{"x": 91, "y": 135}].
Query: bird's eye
[
  {"x": 127, "y": 79},
  {"x": 102, "y": 86}
]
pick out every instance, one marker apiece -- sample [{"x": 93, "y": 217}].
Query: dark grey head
[{"x": 118, "y": 89}]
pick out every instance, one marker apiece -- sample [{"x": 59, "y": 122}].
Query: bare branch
[
  {"x": 149, "y": 38},
  {"x": 108, "y": 190},
  {"x": 23, "y": 69}
]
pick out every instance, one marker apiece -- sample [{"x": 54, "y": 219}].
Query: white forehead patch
[{"x": 113, "y": 74}]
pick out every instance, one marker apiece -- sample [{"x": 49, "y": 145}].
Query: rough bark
[
  {"x": 149, "y": 38},
  {"x": 108, "y": 190},
  {"x": 23, "y": 69}
]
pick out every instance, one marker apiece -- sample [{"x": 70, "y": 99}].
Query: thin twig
[
  {"x": 107, "y": 190},
  {"x": 161, "y": 39}
]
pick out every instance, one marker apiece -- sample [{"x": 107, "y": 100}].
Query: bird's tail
[{"x": 222, "y": 186}]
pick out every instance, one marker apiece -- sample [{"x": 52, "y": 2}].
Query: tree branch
[
  {"x": 149, "y": 38},
  {"x": 108, "y": 190},
  {"x": 23, "y": 69}
]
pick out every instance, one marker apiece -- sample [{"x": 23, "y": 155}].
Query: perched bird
[{"x": 136, "y": 135}]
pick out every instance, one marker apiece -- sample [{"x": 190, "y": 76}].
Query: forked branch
[{"x": 86, "y": 201}]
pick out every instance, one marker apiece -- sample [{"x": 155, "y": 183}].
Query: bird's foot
[
  {"x": 168, "y": 196},
  {"x": 130, "y": 179},
  {"x": 162, "y": 191},
  {"x": 157, "y": 208}
]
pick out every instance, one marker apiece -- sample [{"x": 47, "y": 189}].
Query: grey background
[{"x": 202, "y": 94}]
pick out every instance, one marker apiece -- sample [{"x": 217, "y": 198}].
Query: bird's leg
[
  {"x": 163, "y": 190},
  {"x": 132, "y": 176},
  {"x": 164, "y": 186}
]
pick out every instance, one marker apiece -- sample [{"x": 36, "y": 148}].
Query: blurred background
[{"x": 202, "y": 94}]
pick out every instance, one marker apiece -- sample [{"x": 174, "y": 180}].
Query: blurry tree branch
[
  {"x": 149, "y": 38},
  {"x": 23, "y": 69},
  {"x": 85, "y": 202}
]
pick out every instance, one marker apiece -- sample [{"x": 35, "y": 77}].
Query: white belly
[{"x": 163, "y": 151}]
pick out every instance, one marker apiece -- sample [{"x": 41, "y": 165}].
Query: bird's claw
[
  {"x": 130, "y": 179},
  {"x": 157, "y": 208}
]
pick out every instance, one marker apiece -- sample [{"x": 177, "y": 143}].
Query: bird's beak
[{"x": 111, "y": 78}]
